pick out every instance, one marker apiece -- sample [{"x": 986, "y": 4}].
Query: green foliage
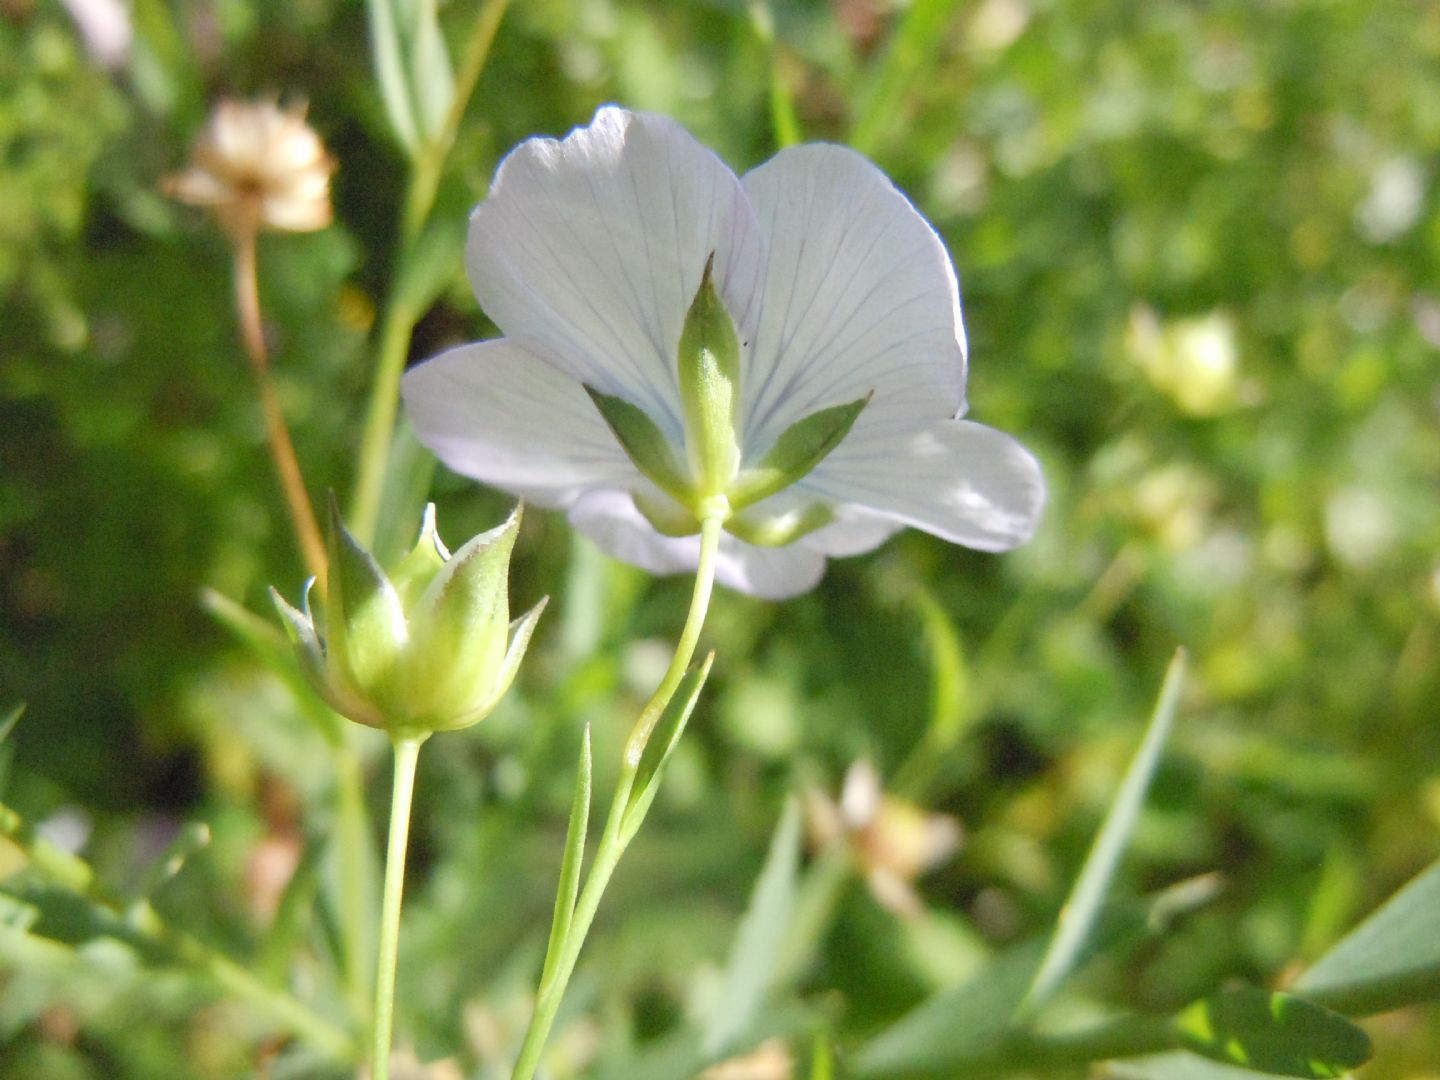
[
  {"x": 1198, "y": 250},
  {"x": 1273, "y": 1033}
]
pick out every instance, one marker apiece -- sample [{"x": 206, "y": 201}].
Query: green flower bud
[
  {"x": 711, "y": 478},
  {"x": 428, "y": 647},
  {"x": 709, "y": 369}
]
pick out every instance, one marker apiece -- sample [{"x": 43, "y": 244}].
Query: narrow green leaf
[
  {"x": 1272, "y": 1033},
  {"x": 570, "y": 864},
  {"x": 1077, "y": 918},
  {"x": 661, "y": 744},
  {"x": 784, "y": 123},
  {"x": 1390, "y": 959},
  {"x": 756, "y": 950},
  {"x": 431, "y": 76},
  {"x": 428, "y": 265},
  {"x": 915, "y": 45},
  {"x": 951, "y": 708},
  {"x": 192, "y": 838},
  {"x": 956, "y": 1023},
  {"x": 965, "y": 1021},
  {"x": 7, "y": 725},
  {"x": 389, "y": 56},
  {"x": 644, "y": 442},
  {"x": 800, "y": 447}
]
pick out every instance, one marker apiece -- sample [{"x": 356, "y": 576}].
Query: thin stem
[
  {"x": 710, "y": 530},
  {"x": 612, "y": 842},
  {"x": 783, "y": 121},
  {"x": 396, "y": 326},
  {"x": 141, "y": 918},
  {"x": 407, "y": 753},
  {"x": 401, "y": 313},
  {"x": 429, "y": 164},
  {"x": 282, "y": 450}
]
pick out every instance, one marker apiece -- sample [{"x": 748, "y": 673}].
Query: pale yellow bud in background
[{"x": 1194, "y": 362}]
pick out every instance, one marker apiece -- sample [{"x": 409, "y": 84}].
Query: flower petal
[
  {"x": 962, "y": 481},
  {"x": 859, "y": 295},
  {"x": 610, "y": 519},
  {"x": 498, "y": 412},
  {"x": 595, "y": 245}
]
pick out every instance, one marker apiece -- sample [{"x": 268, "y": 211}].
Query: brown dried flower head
[
  {"x": 892, "y": 841},
  {"x": 257, "y": 165}
]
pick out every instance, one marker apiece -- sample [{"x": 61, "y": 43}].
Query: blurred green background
[{"x": 1199, "y": 248}]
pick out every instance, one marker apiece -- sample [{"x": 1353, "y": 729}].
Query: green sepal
[
  {"x": 777, "y": 530},
  {"x": 309, "y": 648},
  {"x": 645, "y": 444},
  {"x": 460, "y": 629},
  {"x": 520, "y": 632},
  {"x": 364, "y": 622},
  {"x": 660, "y": 745},
  {"x": 802, "y": 446},
  {"x": 1272, "y": 1033},
  {"x": 708, "y": 360},
  {"x": 665, "y": 516},
  {"x": 414, "y": 573}
]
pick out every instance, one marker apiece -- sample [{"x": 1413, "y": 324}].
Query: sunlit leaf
[{"x": 1273, "y": 1033}]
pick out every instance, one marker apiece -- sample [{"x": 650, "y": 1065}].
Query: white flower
[{"x": 588, "y": 254}]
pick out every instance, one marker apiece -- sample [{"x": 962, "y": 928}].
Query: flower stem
[
  {"x": 554, "y": 980},
  {"x": 430, "y": 162},
  {"x": 141, "y": 919},
  {"x": 396, "y": 325},
  {"x": 407, "y": 753},
  {"x": 282, "y": 450},
  {"x": 401, "y": 313}
]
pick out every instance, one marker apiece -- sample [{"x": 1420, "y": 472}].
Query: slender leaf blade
[
  {"x": 1083, "y": 906},
  {"x": 432, "y": 77},
  {"x": 1390, "y": 959},
  {"x": 389, "y": 56},
  {"x": 932, "y": 1040},
  {"x": 661, "y": 744},
  {"x": 12, "y": 717},
  {"x": 573, "y": 859},
  {"x": 192, "y": 838},
  {"x": 754, "y": 955}
]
